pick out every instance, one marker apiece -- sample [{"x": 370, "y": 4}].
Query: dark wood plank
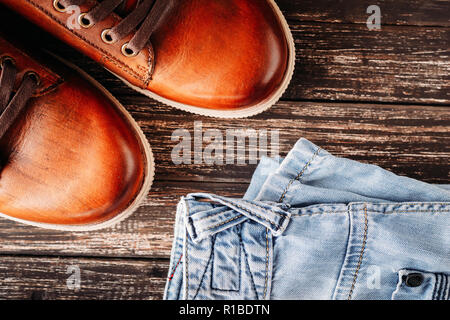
[
  {"x": 41, "y": 278},
  {"x": 409, "y": 140},
  {"x": 351, "y": 63},
  {"x": 412, "y": 12},
  {"x": 147, "y": 233},
  {"x": 347, "y": 62}
]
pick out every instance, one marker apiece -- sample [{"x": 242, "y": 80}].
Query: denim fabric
[{"x": 314, "y": 226}]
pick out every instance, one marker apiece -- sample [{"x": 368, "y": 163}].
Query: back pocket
[{"x": 420, "y": 285}]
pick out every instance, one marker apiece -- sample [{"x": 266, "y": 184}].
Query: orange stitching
[
  {"x": 297, "y": 215},
  {"x": 267, "y": 263},
  {"x": 366, "y": 225},
  {"x": 175, "y": 268},
  {"x": 411, "y": 211},
  {"x": 299, "y": 175},
  {"x": 186, "y": 259}
]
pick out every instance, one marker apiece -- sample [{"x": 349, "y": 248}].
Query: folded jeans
[{"x": 314, "y": 226}]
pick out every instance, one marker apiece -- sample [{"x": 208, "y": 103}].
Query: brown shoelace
[
  {"x": 11, "y": 105},
  {"x": 142, "y": 20}
]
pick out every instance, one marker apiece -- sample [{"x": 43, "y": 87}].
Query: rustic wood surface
[{"x": 379, "y": 97}]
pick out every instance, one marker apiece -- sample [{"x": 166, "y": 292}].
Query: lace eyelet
[
  {"x": 127, "y": 52},
  {"x": 58, "y": 6},
  {"x": 84, "y": 22},
  {"x": 6, "y": 58},
  {"x": 34, "y": 75},
  {"x": 106, "y": 37}
]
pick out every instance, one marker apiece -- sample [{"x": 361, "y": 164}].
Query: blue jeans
[{"x": 314, "y": 226}]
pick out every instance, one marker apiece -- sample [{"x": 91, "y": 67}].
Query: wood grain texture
[
  {"x": 346, "y": 62},
  {"x": 351, "y": 63},
  {"x": 147, "y": 233},
  {"x": 408, "y": 140},
  {"x": 42, "y": 278},
  {"x": 379, "y": 97},
  {"x": 393, "y": 12}
]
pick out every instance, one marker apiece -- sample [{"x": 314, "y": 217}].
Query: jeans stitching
[
  {"x": 276, "y": 227},
  {"x": 221, "y": 223},
  {"x": 248, "y": 266},
  {"x": 368, "y": 211},
  {"x": 441, "y": 287},
  {"x": 281, "y": 200},
  {"x": 206, "y": 268},
  {"x": 249, "y": 212},
  {"x": 212, "y": 216},
  {"x": 250, "y": 204},
  {"x": 355, "y": 276},
  {"x": 317, "y": 213},
  {"x": 412, "y": 211},
  {"x": 255, "y": 205},
  {"x": 309, "y": 214},
  {"x": 444, "y": 289},
  {"x": 252, "y": 213},
  {"x": 299, "y": 175},
  {"x": 447, "y": 287},
  {"x": 445, "y": 294},
  {"x": 341, "y": 277},
  {"x": 212, "y": 273},
  {"x": 436, "y": 283},
  {"x": 267, "y": 263},
  {"x": 175, "y": 268},
  {"x": 421, "y": 203},
  {"x": 242, "y": 208},
  {"x": 186, "y": 289}
]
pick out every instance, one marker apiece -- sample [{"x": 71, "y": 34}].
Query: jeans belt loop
[{"x": 203, "y": 224}]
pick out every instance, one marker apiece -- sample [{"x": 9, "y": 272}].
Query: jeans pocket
[{"x": 420, "y": 285}]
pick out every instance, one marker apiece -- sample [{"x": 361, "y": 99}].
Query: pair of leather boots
[{"x": 72, "y": 157}]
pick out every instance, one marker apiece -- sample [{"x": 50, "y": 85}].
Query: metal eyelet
[
  {"x": 6, "y": 58},
  {"x": 82, "y": 21},
  {"x": 34, "y": 75},
  {"x": 127, "y": 52},
  {"x": 105, "y": 36},
  {"x": 58, "y": 6}
]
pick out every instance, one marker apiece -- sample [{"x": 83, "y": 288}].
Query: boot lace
[
  {"x": 12, "y": 104},
  {"x": 141, "y": 21}
]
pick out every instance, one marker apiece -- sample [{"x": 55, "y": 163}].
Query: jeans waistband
[{"x": 204, "y": 219}]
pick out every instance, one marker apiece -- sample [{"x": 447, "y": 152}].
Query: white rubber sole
[
  {"x": 244, "y": 112},
  {"x": 146, "y": 185}
]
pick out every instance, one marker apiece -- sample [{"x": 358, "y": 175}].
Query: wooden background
[{"x": 375, "y": 96}]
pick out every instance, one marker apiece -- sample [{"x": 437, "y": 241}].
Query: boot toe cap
[{"x": 222, "y": 55}]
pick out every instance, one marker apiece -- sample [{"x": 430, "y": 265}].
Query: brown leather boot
[
  {"x": 72, "y": 158},
  {"x": 227, "y": 58}
]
